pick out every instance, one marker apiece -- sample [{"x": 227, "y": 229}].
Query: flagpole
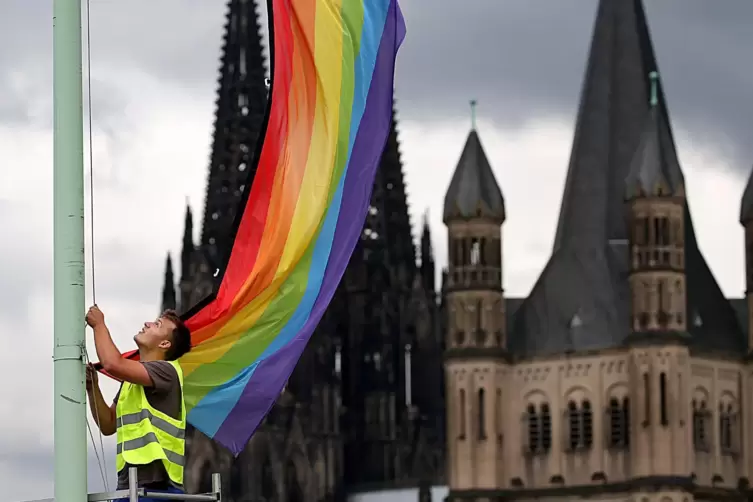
[{"x": 68, "y": 254}]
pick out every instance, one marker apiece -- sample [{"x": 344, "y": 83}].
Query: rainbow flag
[{"x": 328, "y": 119}]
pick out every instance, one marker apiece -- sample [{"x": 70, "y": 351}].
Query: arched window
[
  {"x": 663, "y": 399},
  {"x": 498, "y": 418},
  {"x": 619, "y": 423},
  {"x": 646, "y": 399},
  {"x": 539, "y": 428},
  {"x": 546, "y": 428},
  {"x": 728, "y": 428},
  {"x": 615, "y": 423},
  {"x": 481, "y": 415},
  {"x": 701, "y": 417},
  {"x": 475, "y": 252},
  {"x": 626, "y": 422},
  {"x": 461, "y": 416},
  {"x": 534, "y": 435},
  {"x": 580, "y": 425},
  {"x": 587, "y": 422},
  {"x": 573, "y": 416}
]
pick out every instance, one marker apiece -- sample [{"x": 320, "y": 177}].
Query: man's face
[{"x": 156, "y": 334}]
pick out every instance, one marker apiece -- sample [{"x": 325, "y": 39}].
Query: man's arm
[
  {"x": 109, "y": 355},
  {"x": 104, "y": 415}
]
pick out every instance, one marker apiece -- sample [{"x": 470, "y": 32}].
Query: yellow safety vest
[{"x": 146, "y": 435}]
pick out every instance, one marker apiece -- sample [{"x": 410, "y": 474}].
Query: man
[{"x": 148, "y": 413}]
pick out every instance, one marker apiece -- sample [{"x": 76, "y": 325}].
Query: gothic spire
[
  {"x": 241, "y": 104},
  {"x": 188, "y": 246},
  {"x": 168, "y": 290},
  {"x": 388, "y": 222},
  {"x": 427, "y": 258}
]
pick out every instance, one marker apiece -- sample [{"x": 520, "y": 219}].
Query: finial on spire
[
  {"x": 654, "y": 77},
  {"x": 473, "y": 114}
]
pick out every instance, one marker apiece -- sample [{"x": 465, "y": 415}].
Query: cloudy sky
[{"x": 154, "y": 73}]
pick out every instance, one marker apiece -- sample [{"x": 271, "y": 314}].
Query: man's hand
[
  {"x": 95, "y": 317},
  {"x": 92, "y": 379}
]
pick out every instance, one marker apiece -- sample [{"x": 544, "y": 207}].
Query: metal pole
[
  {"x": 68, "y": 254},
  {"x": 133, "y": 484}
]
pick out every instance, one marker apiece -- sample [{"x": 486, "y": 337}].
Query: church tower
[
  {"x": 746, "y": 220},
  {"x": 659, "y": 367},
  {"x": 474, "y": 212}
]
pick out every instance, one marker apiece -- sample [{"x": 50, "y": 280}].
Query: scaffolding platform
[{"x": 134, "y": 493}]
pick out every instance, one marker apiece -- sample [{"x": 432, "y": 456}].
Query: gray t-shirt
[{"x": 166, "y": 397}]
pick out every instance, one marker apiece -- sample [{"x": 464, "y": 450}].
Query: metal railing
[{"x": 134, "y": 493}]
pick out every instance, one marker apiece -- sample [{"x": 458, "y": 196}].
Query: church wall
[
  {"x": 620, "y": 497},
  {"x": 582, "y": 382},
  {"x": 550, "y": 456},
  {"x": 475, "y": 425},
  {"x": 717, "y": 428}
]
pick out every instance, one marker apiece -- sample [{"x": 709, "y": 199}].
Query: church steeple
[
  {"x": 186, "y": 253},
  {"x": 584, "y": 280},
  {"x": 475, "y": 338},
  {"x": 241, "y": 104},
  {"x": 169, "y": 300},
  {"x": 473, "y": 191},
  {"x": 427, "y": 269}
]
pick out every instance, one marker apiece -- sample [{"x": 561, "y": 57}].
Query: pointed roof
[
  {"x": 427, "y": 252},
  {"x": 746, "y": 204},
  {"x": 188, "y": 246},
  {"x": 655, "y": 164},
  {"x": 168, "y": 290},
  {"x": 427, "y": 269},
  {"x": 581, "y": 299},
  {"x": 473, "y": 191}
]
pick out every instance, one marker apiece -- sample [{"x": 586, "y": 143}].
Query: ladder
[{"x": 134, "y": 493}]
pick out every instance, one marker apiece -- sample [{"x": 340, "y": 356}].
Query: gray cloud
[
  {"x": 521, "y": 59},
  {"x": 525, "y": 58}
]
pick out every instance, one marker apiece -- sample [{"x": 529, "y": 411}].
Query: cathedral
[
  {"x": 364, "y": 408},
  {"x": 619, "y": 377}
]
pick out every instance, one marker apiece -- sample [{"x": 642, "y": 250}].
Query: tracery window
[
  {"x": 619, "y": 423},
  {"x": 580, "y": 425},
  {"x": 539, "y": 429}
]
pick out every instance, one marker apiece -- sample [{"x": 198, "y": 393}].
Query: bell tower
[
  {"x": 659, "y": 361},
  {"x": 474, "y": 212},
  {"x": 656, "y": 207}
]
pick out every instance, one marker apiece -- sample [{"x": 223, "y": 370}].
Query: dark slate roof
[
  {"x": 581, "y": 299},
  {"x": 655, "y": 162},
  {"x": 746, "y": 205},
  {"x": 474, "y": 190}
]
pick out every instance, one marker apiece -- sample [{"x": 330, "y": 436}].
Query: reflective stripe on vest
[{"x": 145, "y": 434}]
